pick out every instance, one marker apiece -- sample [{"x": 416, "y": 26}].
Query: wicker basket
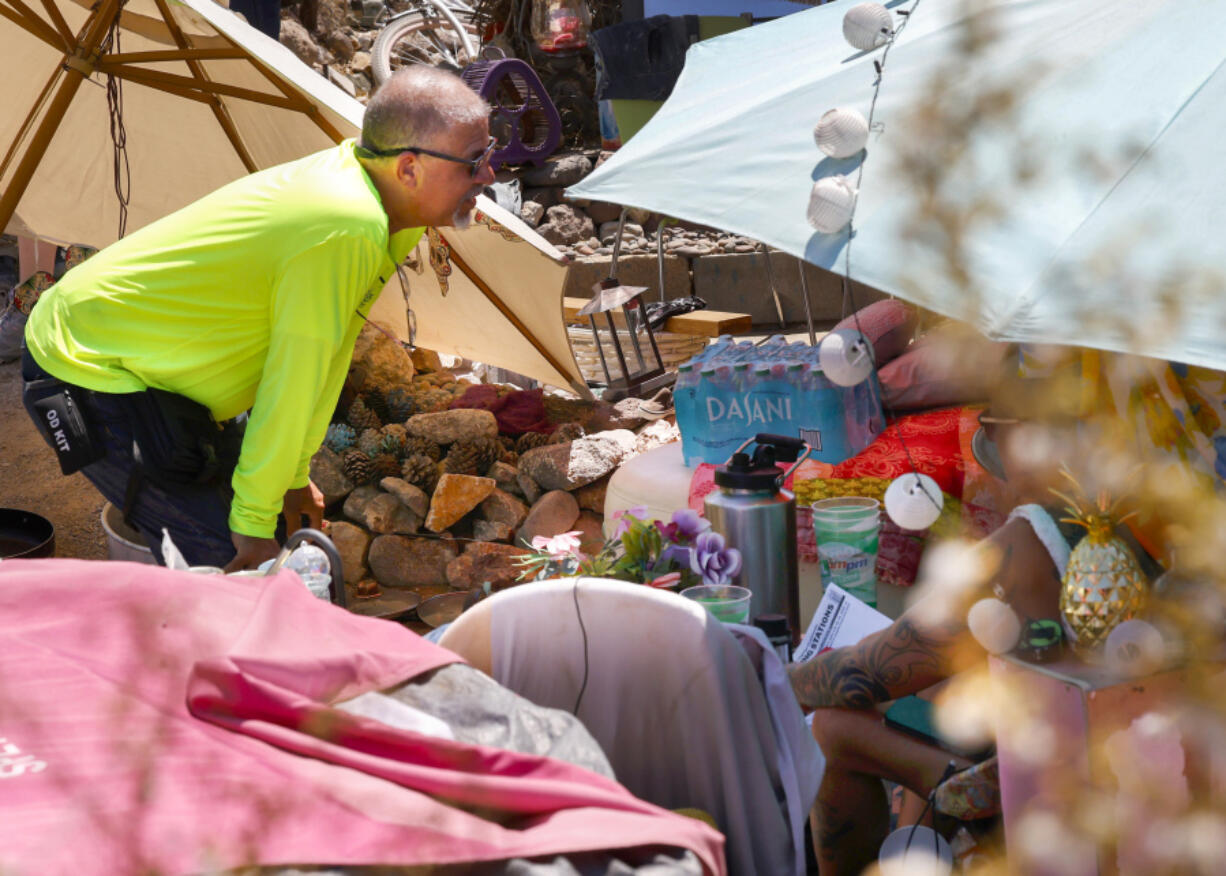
[{"x": 674, "y": 349}]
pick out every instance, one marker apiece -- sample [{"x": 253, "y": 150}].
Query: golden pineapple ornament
[{"x": 1103, "y": 585}]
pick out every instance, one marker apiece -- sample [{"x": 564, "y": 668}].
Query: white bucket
[{"x": 122, "y": 541}]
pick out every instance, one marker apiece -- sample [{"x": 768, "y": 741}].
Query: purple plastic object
[{"x": 522, "y": 117}]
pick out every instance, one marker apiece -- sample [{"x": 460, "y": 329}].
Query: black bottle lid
[
  {"x": 741, "y": 472},
  {"x": 775, "y": 626}
]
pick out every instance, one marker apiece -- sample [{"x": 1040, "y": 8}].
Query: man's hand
[
  {"x": 305, "y": 501},
  {"x": 251, "y": 551}
]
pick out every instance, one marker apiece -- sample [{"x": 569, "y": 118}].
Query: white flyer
[{"x": 840, "y": 620}]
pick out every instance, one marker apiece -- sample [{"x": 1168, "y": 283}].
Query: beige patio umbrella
[{"x": 204, "y": 99}]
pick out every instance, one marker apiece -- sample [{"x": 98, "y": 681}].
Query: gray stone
[
  {"x": 637, "y": 215},
  {"x": 446, "y": 427},
  {"x": 655, "y": 435},
  {"x": 487, "y": 530},
  {"x": 602, "y": 211},
  {"x": 502, "y": 507},
  {"x": 633, "y": 270},
  {"x": 328, "y": 473},
  {"x": 355, "y": 504},
  {"x": 532, "y": 212},
  {"x": 386, "y": 513},
  {"x": 591, "y": 496},
  {"x": 351, "y": 543},
  {"x": 590, "y": 528},
  {"x": 530, "y": 489},
  {"x": 414, "y": 498},
  {"x": 559, "y": 170},
  {"x": 506, "y": 476},
  {"x": 546, "y": 197},
  {"x": 551, "y": 514},
  {"x": 565, "y": 224},
  {"x": 400, "y": 561},
  {"x": 572, "y": 465},
  {"x": 341, "y": 45},
  {"x": 485, "y": 561},
  {"x": 738, "y": 282},
  {"x": 298, "y": 40}
]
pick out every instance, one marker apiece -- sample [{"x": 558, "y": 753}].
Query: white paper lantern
[
  {"x": 845, "y": 357},
  {"x": 868, "y": 26},
  {"x": 841, "y": 132},
  {"x": 995, "y": 625},
  {"x": 831, "y": 204},
  {"x": 914, "y": 501},
  {"x": 1135, "y": 648}
]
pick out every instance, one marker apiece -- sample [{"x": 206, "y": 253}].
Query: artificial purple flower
[
  {"x": 714, "y": 562},
  {"x": 687, "y": 525},
  {"x": 624, "y": 519},
  {"x": 676, "y": 553}
]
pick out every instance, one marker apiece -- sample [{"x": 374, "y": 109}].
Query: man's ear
[{"x": 408, "y": 169}]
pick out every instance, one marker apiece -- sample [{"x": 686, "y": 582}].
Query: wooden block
[{"x": 705, "y": 323}]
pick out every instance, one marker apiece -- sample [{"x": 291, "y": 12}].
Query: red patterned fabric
[{"x": 939, "y": 445}]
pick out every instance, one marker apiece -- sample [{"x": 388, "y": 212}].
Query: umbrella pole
[
  {"x": 77, "y": 67},
  {"x": 770, "y": 278},
  {"x": 804, "y": 293}
]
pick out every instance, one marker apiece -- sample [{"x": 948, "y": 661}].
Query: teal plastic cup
[
  {"x": 846, "y": 530},
  {"x": 727, "y": 603}
]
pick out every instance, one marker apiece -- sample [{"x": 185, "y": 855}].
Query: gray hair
[{"x": 416, "y": 106}]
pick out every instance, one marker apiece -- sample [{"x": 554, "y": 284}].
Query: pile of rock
[{"x": 471, "y": 529}]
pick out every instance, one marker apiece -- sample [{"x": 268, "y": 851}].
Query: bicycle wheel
[{"x": 434, "y": 35}]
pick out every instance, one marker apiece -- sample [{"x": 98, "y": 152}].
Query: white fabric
[
  {"x": 801, "y": 762},
  {"x": 675, "y": 702},
  {"x": 380, "y": 707},
  {"x": 1047, "y": 532}
]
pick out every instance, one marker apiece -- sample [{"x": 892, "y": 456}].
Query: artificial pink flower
[
  {"x": 664, "y": 581},
  {"x": 559, "y": 547},
  {"x": 623, "y": 518}
]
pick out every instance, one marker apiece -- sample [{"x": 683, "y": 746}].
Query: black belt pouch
[{"x": 64, "y": 423}]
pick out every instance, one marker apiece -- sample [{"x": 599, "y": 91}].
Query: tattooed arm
[{"x": 893, "y": 662}]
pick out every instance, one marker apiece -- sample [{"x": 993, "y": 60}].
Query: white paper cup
[{"x": 927, "y": 855}]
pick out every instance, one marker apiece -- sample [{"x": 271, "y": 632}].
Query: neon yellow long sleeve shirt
[{"x": 249, "y": 299}]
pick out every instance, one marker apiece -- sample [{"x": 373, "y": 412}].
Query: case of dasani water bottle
[{"x": 730, "y": 392}]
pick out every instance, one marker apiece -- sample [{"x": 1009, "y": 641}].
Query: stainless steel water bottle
[{"x": 755, "y": 515}]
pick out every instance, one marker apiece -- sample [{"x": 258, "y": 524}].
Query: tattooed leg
[{"x": 851, "y": 816}]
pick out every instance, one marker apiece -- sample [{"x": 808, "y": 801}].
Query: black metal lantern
[{"x": 640, "y": 369}]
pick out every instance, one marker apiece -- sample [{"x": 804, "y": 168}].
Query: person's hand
[
  {"x": 251, "y": 551},
  {"x": 305, "y": 501}
]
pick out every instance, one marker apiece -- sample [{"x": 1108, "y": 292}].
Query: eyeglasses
[{"x": 474, "y": 164}]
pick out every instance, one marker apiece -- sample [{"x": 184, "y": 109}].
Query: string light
[
  {"x": 845, "y": 357},
  {"x": 914, "y": 501}
]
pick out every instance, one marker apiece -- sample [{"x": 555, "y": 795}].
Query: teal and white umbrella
[{"x": 1080, "y": 197}]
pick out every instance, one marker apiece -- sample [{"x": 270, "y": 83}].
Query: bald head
[{"x": 416, "y": 106}]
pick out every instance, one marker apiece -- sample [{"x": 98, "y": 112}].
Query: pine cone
[
  {"x": 368, "y": 441},
  {"x": 400, "y": 404},
  {"x": 424, "y": 446},
  {"x": 508, "y": 454},
  {"x": 420, "y": 471},
  {"x": 391, "y": 440},
  {"x": 386, "y": 465},
  {"x": 530, "y": 440},
  {"x": 377, "y": 402},
  {"x": 339, "y": 437},
  {"x": 358, "y": 467},
  {"x": 362, "y": 417},
  {"x": 565, "y": 433},
  {"x": 472, "y": 457}
]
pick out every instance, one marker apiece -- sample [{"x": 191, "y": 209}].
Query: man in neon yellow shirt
[{"x": 249, "y": 300}]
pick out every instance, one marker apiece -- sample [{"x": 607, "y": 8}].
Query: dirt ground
[{"x": 30, "y": 479}]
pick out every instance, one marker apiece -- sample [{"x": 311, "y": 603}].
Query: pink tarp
[{"x": 162, "y": 721}]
